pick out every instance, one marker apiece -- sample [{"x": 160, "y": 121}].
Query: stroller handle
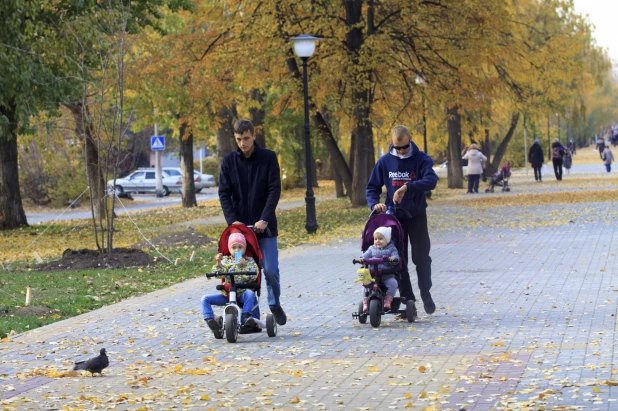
[
  {"x": 371, "y": 261},
  {"x": 394, "y": 209},
  {"x": 266, "y": 230}
]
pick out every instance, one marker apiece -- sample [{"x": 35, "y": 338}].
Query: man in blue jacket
[
  {"x": 407, "y": 174},
  {"x": 249, "y": 190}
]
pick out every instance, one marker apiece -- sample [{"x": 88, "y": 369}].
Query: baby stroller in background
[
  {"x": 501, "y": 178},
  {"x": 232, "y": 311},
  {"x": 376, "y": 290}
]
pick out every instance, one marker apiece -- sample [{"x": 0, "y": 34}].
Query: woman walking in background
[
  {"x": 535, "y": 156},
  {"x": 558, "y": 152},
  {"x": 608, "y": 157},
  {"x": 475, "y": 166}
]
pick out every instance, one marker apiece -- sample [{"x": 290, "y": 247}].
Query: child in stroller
[
  {"x": 501, "y": 178},
  {"x": 383, "y": 247},
  {"x": 380, "y": 272},
  {"x": 240, "y": 286}
]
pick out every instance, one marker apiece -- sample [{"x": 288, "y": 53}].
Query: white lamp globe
[{"x": 304, "y": 45}]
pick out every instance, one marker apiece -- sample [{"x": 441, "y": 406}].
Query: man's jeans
[
  {"x": 270, "y": 268},
  {"x": 247, "y": 299}
]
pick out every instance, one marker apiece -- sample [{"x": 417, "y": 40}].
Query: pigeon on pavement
[{"x": 93, "y": 365}]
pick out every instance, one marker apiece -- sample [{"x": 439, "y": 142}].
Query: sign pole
[{"x": 158, "y": 174}]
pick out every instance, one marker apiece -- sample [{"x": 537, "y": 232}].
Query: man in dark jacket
[
  {"x": 535, "y": 156},
  {"x": 407, "y": 174},
  {"x": 249, "y": 190}
]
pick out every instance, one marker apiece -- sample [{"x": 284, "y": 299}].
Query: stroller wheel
[
  {"x": 507, "y": 189},
  {"x": 375, "y": 314},
  {"x": 362, "y": 316},
  {"x": 231, "y": 328},
  {"x": 271, "y": 325},
  {"x": 411, "y": 311},
  {"x": 503, "y": 189},
  {"x": 219, "y": 334},
  {"x": 487, "y": 190}
]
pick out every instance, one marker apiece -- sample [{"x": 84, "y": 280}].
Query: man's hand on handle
[
  {"x": 260, "y": 226},
  {"x": 379, "y": 208}
]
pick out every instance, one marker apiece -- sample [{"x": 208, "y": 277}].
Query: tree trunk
[
  {"x": 339, "y": 193},
  {"x": 325, "y": 132},
  {"x": 225, "y": 132},
  {"x": 362, "y": 155},
  {"x": 83, "y": 129},
  {"x": 455, "y": 171},
  {"x": 257, "y": 115},
  {"x": 186, "y": 166},
  {"x": 494, "y": 165},
  {"x": 12, "y": 213}
]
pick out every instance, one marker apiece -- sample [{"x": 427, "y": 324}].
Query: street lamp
[
  {"x": 304, "y": 46},
  {"x": 421, "y": 81}
]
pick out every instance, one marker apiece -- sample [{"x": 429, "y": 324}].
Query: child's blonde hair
[{"x": 401, "y": 132}]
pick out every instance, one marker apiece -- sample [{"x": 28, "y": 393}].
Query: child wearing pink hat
[{"x": 227, "y": 264}]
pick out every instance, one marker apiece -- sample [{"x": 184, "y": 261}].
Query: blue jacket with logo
[{"x": 392, "y": 171}]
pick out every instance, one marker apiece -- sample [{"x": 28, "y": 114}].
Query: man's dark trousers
[
  {"x": 557, "y": 168},
  {"x": 416, "y": 234}
]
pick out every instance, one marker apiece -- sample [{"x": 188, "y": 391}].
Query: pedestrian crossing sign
[{"x": 157, "y": 143}]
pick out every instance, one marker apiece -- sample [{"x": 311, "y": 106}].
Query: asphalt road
[{"x": 141, "y": 202}]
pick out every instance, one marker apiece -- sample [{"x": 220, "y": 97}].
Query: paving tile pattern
[{"x": 525, "y": 318}]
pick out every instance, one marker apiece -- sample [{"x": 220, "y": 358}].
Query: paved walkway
[{"x": 526, "y": 318}]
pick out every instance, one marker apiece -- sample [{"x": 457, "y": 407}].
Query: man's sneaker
[
  {"x": 429, "y": 305},
  {"x": 279, "y": 314},
  {"x": 213, "y": 324}
]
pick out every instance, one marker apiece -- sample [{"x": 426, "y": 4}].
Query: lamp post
[{"x": 304, "y": 46}]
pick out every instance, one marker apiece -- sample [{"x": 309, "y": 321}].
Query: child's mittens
[{"x": 364, "y": 276}]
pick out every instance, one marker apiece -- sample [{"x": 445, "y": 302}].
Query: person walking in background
[
  {"x": 608, "y": 158},
  {"x": 535, "y": 156},
  {"x": 601, "y": 146},
  {"x": 475, "y": 166},
  {"x": 558, "y": 152},
  {"x": 568, "y": 160}
]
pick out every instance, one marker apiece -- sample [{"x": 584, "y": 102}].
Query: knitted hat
[
  {"x": 536, "y": 141},
  {"x": 385, "y": 231},
  {"x": 474, "y": 147},
  {"x": 236, "y": 238}
]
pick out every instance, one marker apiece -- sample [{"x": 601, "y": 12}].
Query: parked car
[
  {"x": 201, "y": 180},
  {"x": 143, "y": 181},
  {"x": 442, "y": 169}
]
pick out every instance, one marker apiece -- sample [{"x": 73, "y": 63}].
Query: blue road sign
[{"x": 157, "y": 143}]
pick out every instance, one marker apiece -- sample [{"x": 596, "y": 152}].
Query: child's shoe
[
  {"x": 213, "y": 324},
  {"x": 364, "y": 304},
  {"x": 387, "y": 302}
]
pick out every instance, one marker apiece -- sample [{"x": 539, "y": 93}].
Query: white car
[
  {"x": 201, "y": 180},
  {"x": 143, "y": 181},
  {"x": 442, "y": 169}
]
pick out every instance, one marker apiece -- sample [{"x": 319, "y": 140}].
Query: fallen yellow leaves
[{"x": 582, "y": 196}]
